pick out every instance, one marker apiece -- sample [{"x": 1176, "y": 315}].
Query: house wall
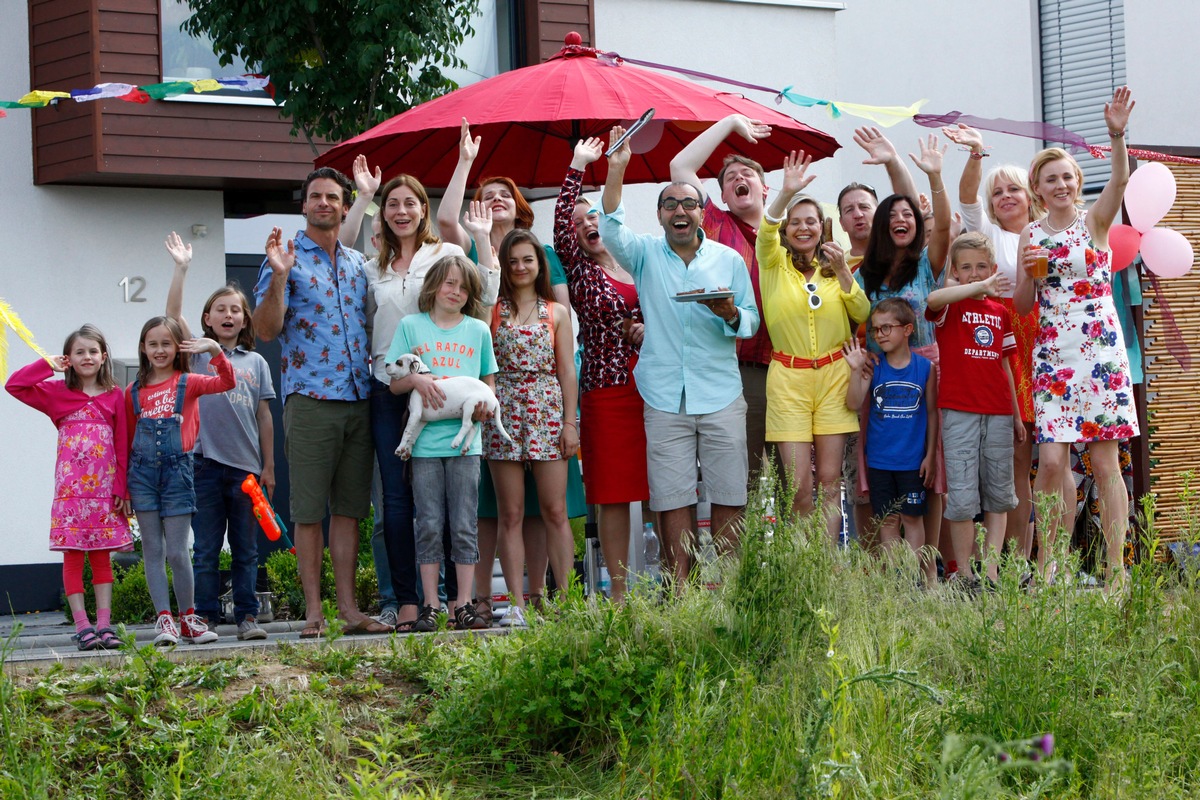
[
  {"x": 1160, "y": 46},
  {"x": 874, "y": 52},
  {"x": 182, "y": 142},
  {"x": 67, "y": 250}
]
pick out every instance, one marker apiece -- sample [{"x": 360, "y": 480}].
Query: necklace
[
  {"x": 526, "y": 318},
  {"x": 1055, "y": 231}
]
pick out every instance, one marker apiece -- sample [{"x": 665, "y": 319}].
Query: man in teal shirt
[{"x": 687, "y": 372}]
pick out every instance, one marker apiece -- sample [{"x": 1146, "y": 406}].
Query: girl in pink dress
[{"x": 90, "y": 512}]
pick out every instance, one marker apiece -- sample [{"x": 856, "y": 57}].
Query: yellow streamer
[
  {"x": 206, "y": 85},
  {"x": 9, "y": 319},
  {"x": 39, "y": 98},
  {"x": 887, "y": 116}
]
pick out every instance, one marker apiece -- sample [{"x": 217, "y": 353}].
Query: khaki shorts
[
  {"x": 979, "y": 463},
  {"x": 674, "y": 442},
  {"x": 330, "y": 457}
]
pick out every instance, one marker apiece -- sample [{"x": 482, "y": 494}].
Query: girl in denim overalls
[{"x": 162, "y": 408}]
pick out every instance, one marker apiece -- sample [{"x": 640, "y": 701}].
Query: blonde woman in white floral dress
[{"x": 1081, "y": 379}]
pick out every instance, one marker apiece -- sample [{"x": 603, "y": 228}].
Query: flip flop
[
  {"x": 405, "y": 626},
  {"x": 367, "y": 625},
  {"x": 311, "y": 632}
]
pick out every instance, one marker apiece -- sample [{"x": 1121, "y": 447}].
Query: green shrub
[
  {"x": 366, "y": 527},
  {"x": 366, "y": 587},
  {"x": 131, "y": 596},
  {"x": 283, "y": 576}
]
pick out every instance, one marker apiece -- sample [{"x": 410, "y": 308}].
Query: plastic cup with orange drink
[{"x": 1040, "y": 270}]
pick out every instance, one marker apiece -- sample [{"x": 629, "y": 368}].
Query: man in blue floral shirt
[{"x": 312, "y": 294}]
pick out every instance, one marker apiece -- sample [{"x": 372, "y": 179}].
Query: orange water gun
[{"x": 268, "y": 520}]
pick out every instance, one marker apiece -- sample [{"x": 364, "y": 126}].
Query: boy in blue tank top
[{"x": 902, "y": 426}]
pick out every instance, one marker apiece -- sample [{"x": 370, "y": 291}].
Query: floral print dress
[
  {"x": 82, "y": 516},
  {"x": 1081, "y": 384},
  {"x": 531, "y": 403}
]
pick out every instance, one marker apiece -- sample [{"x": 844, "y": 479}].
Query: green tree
[{"x": 340, "y": 66}]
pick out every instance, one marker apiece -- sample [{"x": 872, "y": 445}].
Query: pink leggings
[{"x": 73, "y": 569}]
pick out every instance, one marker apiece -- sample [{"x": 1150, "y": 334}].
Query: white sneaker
[
  {"x": 388, "y": 617},
  {"x": 165, "y": 630},
  {"x": 514, "y": 617},
  {"x": 193, "y": 629},
  {"x": 248, "y": 630}
]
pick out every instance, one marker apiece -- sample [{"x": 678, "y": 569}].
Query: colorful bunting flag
[
  {"x": 40, "y": 99},
  {"x": 9, "y": 319},
  {"x": 102, "y": 91},
  {"x": 140, "y": 94}
]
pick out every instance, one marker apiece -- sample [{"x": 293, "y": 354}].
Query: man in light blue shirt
[{"x": 687, "y": 372}]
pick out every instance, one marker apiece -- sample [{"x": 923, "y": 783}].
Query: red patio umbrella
[{"x": 530, "y": 119}]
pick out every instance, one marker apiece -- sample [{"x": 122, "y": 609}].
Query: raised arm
[
  {"x": 1023, "y": 295},
  {"x": 1104, "y": 211},
  {"x": 456, "y": 190},
  {"x": 181, "y": 254},
  {"x": 618, "y": 162},
  {"x": 880, "y": 150},
  {"x": 972, "y": 175},
  {"x": 860, "y": 373},
  {"x": 566, "y": 242},
  {"x": 268, "y": 315},
  {"x": 477, "y": 221},
  {"x": 994, "y": 286},
  {"x": 685, "y": 166},
  {"x": 366, "y": 185},
  {"x": 795, "y": 179},
  {"x": 930, "y": 163}
]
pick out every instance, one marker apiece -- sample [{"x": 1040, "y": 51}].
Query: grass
[{"x": 808, "y": 673}]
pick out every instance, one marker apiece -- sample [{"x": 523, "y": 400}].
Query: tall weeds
[{"x": 815, "y": 672}]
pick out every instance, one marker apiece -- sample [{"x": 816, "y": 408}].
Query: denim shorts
[
  {"x": 162, "y": 484},
  {"x": 446, "y": 491}
]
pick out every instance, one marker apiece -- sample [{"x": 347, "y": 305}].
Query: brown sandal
[
  {"x": 465, "y": 618},
  {"x": 483, "y": 611}
]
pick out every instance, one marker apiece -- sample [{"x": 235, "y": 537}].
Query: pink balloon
[
  {"x": 1125, "y": 242},
  {"x": 1166, "y": 252},
  {"x": 1149, "y": 195}
]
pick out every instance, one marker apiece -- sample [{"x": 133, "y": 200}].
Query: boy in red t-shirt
[{"x": 980, "y": 417}]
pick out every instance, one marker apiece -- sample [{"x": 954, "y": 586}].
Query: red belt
[{"x": 795, "y": 362}]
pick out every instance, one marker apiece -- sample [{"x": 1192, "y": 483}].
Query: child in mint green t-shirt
[{"x": 451, "y": 341}]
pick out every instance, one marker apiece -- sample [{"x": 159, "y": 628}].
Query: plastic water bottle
[{"x": 651, "y": 550}]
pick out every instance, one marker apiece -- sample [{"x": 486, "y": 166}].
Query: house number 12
[{"x": 133, "y": 288}]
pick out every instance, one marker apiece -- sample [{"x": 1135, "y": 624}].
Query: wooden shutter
[
  {"x": 1083, "y": 60},
  {"x": 547, "y": 22}
]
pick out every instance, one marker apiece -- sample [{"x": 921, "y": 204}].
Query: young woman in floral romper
[{"x": 537, "y": 390}]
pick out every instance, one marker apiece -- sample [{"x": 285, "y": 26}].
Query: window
[
  {"x": 187, "y": 58},
  {"x": 1083, "y": 60}
]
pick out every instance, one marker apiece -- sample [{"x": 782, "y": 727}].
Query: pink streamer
[{"x": 1176, "y": 346}]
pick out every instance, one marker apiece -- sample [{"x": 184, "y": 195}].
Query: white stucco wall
[
  {"x": 876, "y": 52},
  {"x": 1160, "y": 44},
  {"x": 726, "y": 39},
  {"x": 66, "y": 252}
]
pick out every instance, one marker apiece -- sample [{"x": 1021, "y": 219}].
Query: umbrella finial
[{"x": 573, "y": 39}]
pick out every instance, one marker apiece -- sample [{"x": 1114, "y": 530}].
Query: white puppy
[{"x": 462, "y": 395}]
